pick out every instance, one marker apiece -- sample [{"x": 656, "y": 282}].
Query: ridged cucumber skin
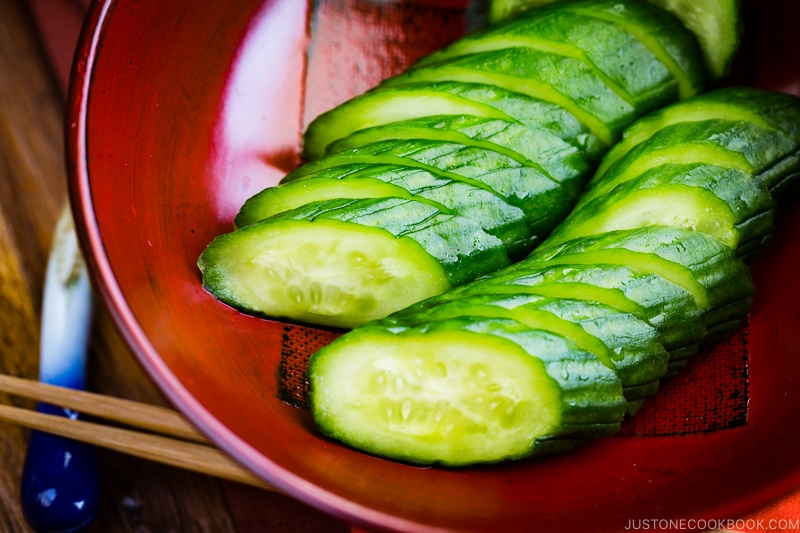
[
  {"x": 589, "y": 402},
  {"x": 638, "y": 75},
  {"x": 383, "y": 106},
  {"x": 622, "y": 341},
  {"x": 462, "y": 198},
  {"x": 735, "y": 144},
  {"x": 556, "y": 157},
  {"x": 463, "y": 249},
  {"x": 669, "y": 308},
  {"x": 719, "y": 276},
  {"x": 760, "y": 125},
  {"x": 731, "y": 205},
  {"x": 544, "y": 200},
  {"x": 715, "y": 24},
  {"x": 562, "y": 80}
]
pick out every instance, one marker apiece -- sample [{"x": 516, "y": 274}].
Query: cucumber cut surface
[
  {"x": 383, "y": 107},
  {"x": 716, "y": 23},
  {"x": 460, "y": 392},
  {"x": 325, "y": 272}
]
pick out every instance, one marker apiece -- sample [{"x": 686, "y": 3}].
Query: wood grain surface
[{"x": 138, "y": 496}]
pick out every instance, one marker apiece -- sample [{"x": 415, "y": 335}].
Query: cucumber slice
[
  {"x": 339, "y": 263},
  {"x": 637, "y": 75},
  {"x": 724, "y": 203},
  {"x": 531, "y": 147},
  {"x": 461, "y": 246},
  {"x": 461, "y": 392},
  {"x": 544, "y": 200},
  {"x": 563, "y": 81},
  {"x": 383, "y": 106},
  {"x": 769, "y": 117},
  {"x": 324, "y": 272},
  {"x": 621, "y": 341},
  {"x": 493, "y": 214},
  {"x": 286, "y": 197},
  {"x": 717, "y": 25},
  {"x": 708, "y": 269},
  {"x": 671, "y": 309}
]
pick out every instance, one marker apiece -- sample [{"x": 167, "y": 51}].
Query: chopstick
[{"x": 190, "y": 450}]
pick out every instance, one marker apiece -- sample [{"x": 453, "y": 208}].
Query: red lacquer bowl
[{"x": 180, "y": 110}]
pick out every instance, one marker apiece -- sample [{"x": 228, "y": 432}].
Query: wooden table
[{"x": 137, "y": 495}]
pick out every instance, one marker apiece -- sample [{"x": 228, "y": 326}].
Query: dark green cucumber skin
[
  {"x": 591, "y": 403},
  {"x": 457, "y": 197},
  {"x": 544, "y": 200},
  {"x": 749, "y": 200},
  {"x": 770, "y": 142},
  {"x": 634, "y": 346},
  {"x": 516, "y": 65},
  {"x": 542, "y": 118},
  {"x": 461, "y": 246},
  {"x": 533, "y": 147},
  {"x": 645, "y": 80},
  {"x": 714, "y": 266},
  {"x": 683, "y": 327}
]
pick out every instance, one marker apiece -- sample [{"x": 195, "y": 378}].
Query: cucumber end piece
[
  {"x": 432, "y": 398},
  {"x": 324, "y": 272}
]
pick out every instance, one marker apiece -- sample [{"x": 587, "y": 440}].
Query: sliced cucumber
[
  {"x": 716, "y": 23},
  {"x": 724, "y": 203},
  {"x": 383, "y": 106},
  {"x": 325, "y": 271},
  {"x": 638, "y": 76},
  {"x": 491, "y": 212},
  {"x": 708, "y": 269},
  {"x": 461, "y": 392},
  {"x": 532, "y": 147},
  {"x": 717, "y": 26},
  {"x": 563, "y": 81},
  {"x": 621, "y": 341}
]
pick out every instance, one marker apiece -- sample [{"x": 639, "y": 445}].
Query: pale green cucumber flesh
[
  {"x": 325, "y": 272},
  {"x": 694, "y": 110},
  {"x": 448, "y": 398},
  {"x": 636, "y": 164},
  {"x": 294, "y": 194},
  {"x": 716, "y": 23},
  {"x": 679, "y": 206},
  {"x": 384, "y": 107}
]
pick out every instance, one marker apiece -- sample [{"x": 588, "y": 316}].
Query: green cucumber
[
  {"x": 461, "y": 392},
  {"x": 544, "y": 200},
  {"x": 619, "y": 267},
  {"x": 724, "y": 203},
  {"x": 708, "y": 269},
  {"x": 621, "y": 341},
  {"x": 564, "y": 81},
  {"x": 337, "y": 261},
  {"x": 528, "y": 146},
  {"x": 671, "y": 309},
  {"x": 492, "y": 213},
  {"x": 638, "y": 76},
  {"x": 383, "y": 106},
  {"x": 762, "y": 128},
  {"x": 716, "y": 23}
]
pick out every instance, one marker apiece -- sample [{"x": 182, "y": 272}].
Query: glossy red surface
[{"x": 180, "y": 110}]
